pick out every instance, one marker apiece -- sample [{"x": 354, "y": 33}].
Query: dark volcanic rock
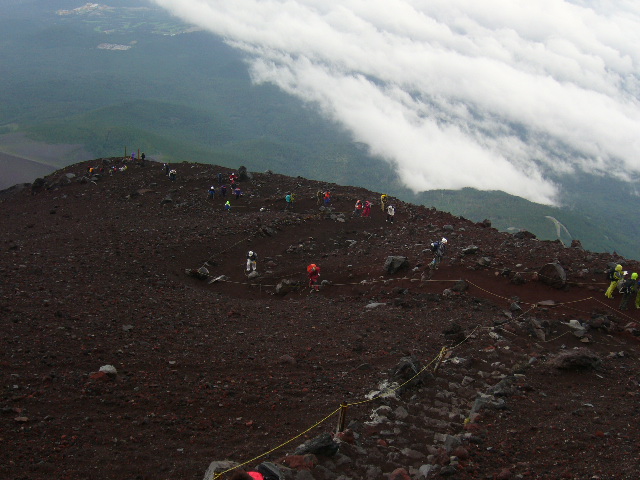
[
  {"x": 553, "y": 274},
  {"x": 394, "y": 264}
]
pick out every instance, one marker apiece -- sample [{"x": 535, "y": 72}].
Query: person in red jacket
[
  {"x": 366, "y": 211},
  {"x": 264, "y": 471},
  {"x": 314, "y": 274},
  {"x": 239, "y": 475}
]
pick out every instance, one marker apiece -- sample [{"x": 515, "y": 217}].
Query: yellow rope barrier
[{"x": 279, "y": 446}]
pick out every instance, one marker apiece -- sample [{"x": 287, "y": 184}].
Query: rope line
[
  {"x": 437, "y": 360},
  {"x": 279, "y": 446}
]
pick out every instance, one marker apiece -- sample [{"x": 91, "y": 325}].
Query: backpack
[
  {"x": 611, "y": 274},
  {"x": 435, "y": 246}
]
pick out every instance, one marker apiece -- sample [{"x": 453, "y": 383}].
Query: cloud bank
[{"x": 495, "y": 95}]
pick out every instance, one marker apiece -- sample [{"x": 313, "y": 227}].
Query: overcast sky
[{"x": 491, "y": 94}]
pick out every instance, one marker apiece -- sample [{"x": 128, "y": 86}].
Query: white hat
[
  {"x": 250, "y": 252},
  {"x": 444, "y": 240}
]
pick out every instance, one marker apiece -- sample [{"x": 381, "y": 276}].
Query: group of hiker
[
  {"x": 313, "y": 270},
  {"x": 628, "y": 287},
  {"x": 363, "y": 209}
]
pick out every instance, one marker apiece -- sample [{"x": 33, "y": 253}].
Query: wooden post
[
  {"x": 342, "y": 418},
  {"x": 440, "y": 358}
]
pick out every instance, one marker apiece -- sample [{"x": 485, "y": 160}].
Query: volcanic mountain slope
[{"x": 95, "y": 273}]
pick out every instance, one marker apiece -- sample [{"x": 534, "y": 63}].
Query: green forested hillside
[{"x": 188, "y": 96}]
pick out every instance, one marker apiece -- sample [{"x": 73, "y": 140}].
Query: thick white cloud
[{"x": 497, "y": 94}]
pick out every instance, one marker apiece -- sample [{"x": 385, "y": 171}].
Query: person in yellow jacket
[
  {"x": 634, "y": 276},
  {"x": 383, "y": 201},
  {"x": 615, "y": 276}
]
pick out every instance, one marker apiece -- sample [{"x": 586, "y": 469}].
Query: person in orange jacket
[{"x": 313, "y": 271}]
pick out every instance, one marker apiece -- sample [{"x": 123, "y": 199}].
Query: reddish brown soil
[{"x": 93, "y": 274}]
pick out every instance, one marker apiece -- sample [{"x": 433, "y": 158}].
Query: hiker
[
  {"x": 438, "y": 249},
  {"x": 237, "y": 192},
  {"x": 212, "y": 192},
  {"x": 227, "y": 206},
  {"x": 327, "y": 197},
  {"x": 264, "y": 471},
  {"x": 366, "y": 211},
  {"x": 357, "y": 211},
  {"x": 223, "y": 191},
  {"x": 219, "y": 178},
  {"x": 133, "y": 157},
  {"x": 232, "y": 180},
  {"x": 383, "y": 201},
  {"x": 142, "y": 158},
  {"x": 319, "y": 196},
  {"x": 252, "y": 257},
  {"x": 614, "y": 275},
  {"x": 629, "y": 288},
  {"x": 289, "y": 198},
  {"x": 391, "y": 211},
  {"x": 166, "y": 168},
  {"x": 172, "y": 175},
  {"x": 314, "y": 274}
]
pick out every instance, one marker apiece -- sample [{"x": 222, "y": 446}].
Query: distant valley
[{"x": 102, "y": 81}]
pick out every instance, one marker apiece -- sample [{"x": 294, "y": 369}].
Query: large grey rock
[
  {"x": 460, "y": 286},
  {"x": 218, "y": 466},
  {"x": 395, "y": 263},
  {"x": 553, "y": 274},
  {"x": 285, "y": 286},
  {"x": 580, "y": 359},
  {"x": 321, "y": 445}
]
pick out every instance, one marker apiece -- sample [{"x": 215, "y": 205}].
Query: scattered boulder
[
  {"x": 201, "y": 273},
  {"x": 579, "y": 359},
  {"x": 109, "y": 370},
  {"x": 285, "y": 286},
  {"x": 460, "y": 286},
  {"x": 470, "y": 250},
  {"x": 484, "y": 262},
  {"x": 554, "y": 275},
  {"x": 395, "y": 263},
  {"x": 37, "y": 186},
  {"x": 406, "y": 373},
  {"x": 524, "y": 234},
  {"x": 216, "y": 467},
  {"x": 454, "y": 333},
  {"x": 323, "y": 444},
  {"x": 243, "y": 175},
  {"x": 253, "y": 275}
]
